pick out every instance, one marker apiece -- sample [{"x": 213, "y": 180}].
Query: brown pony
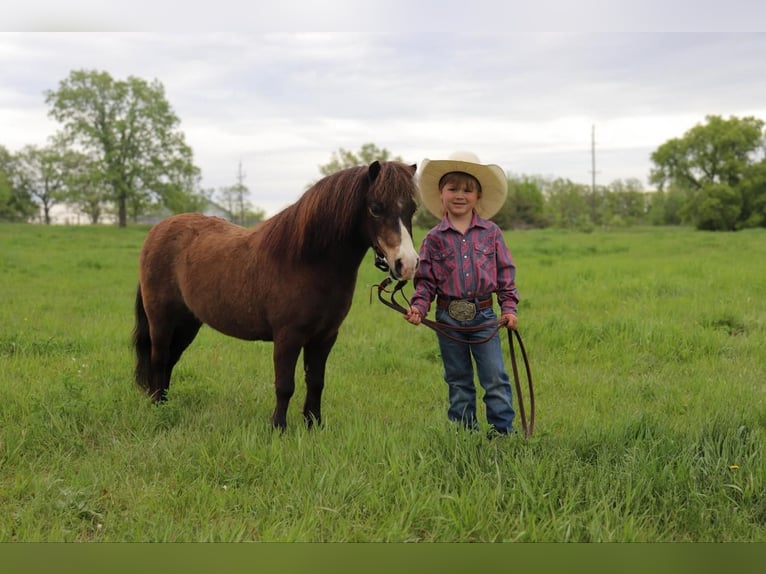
[{"x": 289, "y": 280}]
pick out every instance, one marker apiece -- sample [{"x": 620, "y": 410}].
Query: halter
[
  {"x": 444, "y": 329},
  {"x": 380, "y": 259}
]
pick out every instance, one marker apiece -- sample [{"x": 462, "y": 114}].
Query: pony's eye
[{"x": 376, "y": 209}]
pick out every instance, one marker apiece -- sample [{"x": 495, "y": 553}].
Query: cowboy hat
[{"x": 494, "y": 185}]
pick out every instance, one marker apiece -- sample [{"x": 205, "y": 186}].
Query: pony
[{"x": 289, "y": 280}]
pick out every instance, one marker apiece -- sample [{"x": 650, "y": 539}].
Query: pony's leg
[
  {"x": 315, "y": 355},
  {"x": 183, "y": 334},
  {"x": 159, "y": 380},
  {"x": 285, "y": 357},
  {"x": 168, "y": 344}
]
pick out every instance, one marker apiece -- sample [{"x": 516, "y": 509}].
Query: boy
[{"x": 463, "y": 260}]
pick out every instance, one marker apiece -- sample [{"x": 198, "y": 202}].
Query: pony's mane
[
  {"x": 321, "y": 216},
  {"x": 327, "y": 212}
]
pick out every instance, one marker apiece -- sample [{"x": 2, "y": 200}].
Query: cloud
[{"x": 282, "y": 103}]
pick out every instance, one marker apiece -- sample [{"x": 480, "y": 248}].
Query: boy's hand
[
  {"x": 413, "y": 316},
  {"x": 510, "y": 321}
]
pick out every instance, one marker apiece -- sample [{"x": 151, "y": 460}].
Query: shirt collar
[{"x": 476, "y": 221}]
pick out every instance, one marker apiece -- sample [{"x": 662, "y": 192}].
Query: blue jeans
[{"x": 458, "y": 372}]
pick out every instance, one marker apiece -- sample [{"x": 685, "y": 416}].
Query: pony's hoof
[{"x": 312, "y": 421}]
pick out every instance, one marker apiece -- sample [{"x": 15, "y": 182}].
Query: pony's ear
[
  {"x": 414, "y": 167},
  {"x": 373, "y": 170}
]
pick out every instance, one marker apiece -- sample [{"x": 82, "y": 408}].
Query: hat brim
[{"x": 494, "y": 185}]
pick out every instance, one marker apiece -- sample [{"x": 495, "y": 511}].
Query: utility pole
[
  {"x": 241, "y": 189},
  {"x": 593, "y": 174},
  {"x": 593, "y": 158}
]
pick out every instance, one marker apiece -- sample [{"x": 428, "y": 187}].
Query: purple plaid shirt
[{"x": 470, "y": 266}]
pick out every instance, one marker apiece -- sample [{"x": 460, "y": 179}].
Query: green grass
[{"x": 648, "y": 350}]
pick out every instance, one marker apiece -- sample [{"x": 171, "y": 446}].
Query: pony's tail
[{"x": 142, "y": 344}]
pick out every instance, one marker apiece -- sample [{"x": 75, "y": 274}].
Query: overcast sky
[{"x": 282, "y": 103}]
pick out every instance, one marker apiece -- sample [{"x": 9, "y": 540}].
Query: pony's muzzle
[
  {"x": 401, "y": 257},
  {"x": 404, "y": 268}
]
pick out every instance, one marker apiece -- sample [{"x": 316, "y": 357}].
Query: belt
[{"x": 481, "y": 305}]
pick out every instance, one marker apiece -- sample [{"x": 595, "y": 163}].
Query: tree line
[
  {"x": 713, "y": 177},
  {"x": 120, "y": 149}
]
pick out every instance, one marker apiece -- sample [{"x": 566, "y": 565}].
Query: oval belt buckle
[{"x": 462, "y": 310}]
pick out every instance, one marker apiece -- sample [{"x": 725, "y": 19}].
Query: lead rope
[{"x": 443, "y": 329}]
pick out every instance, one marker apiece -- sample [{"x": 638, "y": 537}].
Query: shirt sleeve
[
  {"x": 507, "y": 294},
  {"x": 424, "y": 281}
]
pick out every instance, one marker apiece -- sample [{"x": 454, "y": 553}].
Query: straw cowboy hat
[{"x": 494, "y": 185}]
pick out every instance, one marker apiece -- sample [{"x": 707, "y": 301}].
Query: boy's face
[{"x": 459, "y": 196}]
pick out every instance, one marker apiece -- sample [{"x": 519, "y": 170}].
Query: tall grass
[{"x": 648, "y": 352}]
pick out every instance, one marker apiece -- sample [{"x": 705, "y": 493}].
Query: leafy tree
[
  {"x": 666, "y": 207},
  {"x": 86, "y": 188},
  {"x": 753, "y": 188},
  {"x": 626, "y": 202},
  {"x": 524, "y": 206},
  {"x": 42, "y": 173},
  {"x": 234, "y": 199},
  {"x": 717, "y": 207},
  {"x": 567, "y": 205},
  {"x": 342, "y": 158},
  {"x": 183, "y": 194},
  {"x": 715, "y": 165},
  {"x": 424, "y": 218},
  {"x": 15, "y": 202},
  {"x": 6, "y": 185},
  {"x": 131, "y": 131}
]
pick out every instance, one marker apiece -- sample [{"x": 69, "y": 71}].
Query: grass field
[{"x": 648, "y": 350}]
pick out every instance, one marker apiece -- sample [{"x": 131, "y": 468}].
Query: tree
[
  {"x": 182, "y": 195},
  {"x": 42, "y": 173},
  {"x": 666, "y": 207},
  {"x": 86, "y": 188},
  {"x": 567, "y": 205},
  {"x": 131, "y": 131},
  {"x": 343, "y": 158},
  {"x": 715, "y": 165},
  {"x": 15, "y": 202},
  {"x": 424, "y": 218},
  {"x": 717, "y": 207},
  {"x": 524, "y": 206},
  {"x": 626, "y": 202},
  {"x": 234, "y": 199},
  {"x": 753, "y": 188}
]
